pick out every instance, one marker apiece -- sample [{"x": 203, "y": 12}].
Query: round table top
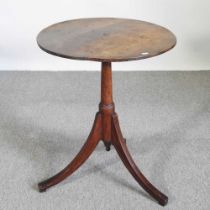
[{"x": 106, "y": 39}]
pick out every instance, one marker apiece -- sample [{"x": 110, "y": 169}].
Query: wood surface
[{"x": 106, "y": 39}]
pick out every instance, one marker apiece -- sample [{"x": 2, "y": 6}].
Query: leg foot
[
  {"x": 107, "y": 145},
  {"x": 108, "y": 148},
  {"x": 163, "y": 201},
  {"x": 81, "y": 157},
  {"x": 122, "y": 150},
  {"x": 42, "y": 188}
]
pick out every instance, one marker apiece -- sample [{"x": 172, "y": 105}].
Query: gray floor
[{"x": 46, "y": 116}]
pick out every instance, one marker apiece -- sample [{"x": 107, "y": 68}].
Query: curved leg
[
  {"x": 81, "y": 157},
  {"x": 125, "y": 156}
]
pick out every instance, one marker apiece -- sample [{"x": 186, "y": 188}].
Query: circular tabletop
[{"x": 106, "y": 39}]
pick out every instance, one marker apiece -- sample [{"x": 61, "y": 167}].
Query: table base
[{"x": 106, "y": 128}]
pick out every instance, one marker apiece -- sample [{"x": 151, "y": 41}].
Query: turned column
[{"x": 106, "y": 106}]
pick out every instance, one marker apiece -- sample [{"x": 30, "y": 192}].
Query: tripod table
[{"x": 106, "y": 40}]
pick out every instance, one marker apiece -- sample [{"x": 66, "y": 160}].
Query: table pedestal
[{"x": 106, "y": 128}]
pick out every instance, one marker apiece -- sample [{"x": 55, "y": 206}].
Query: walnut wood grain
[{"x": 106, "y": 39}]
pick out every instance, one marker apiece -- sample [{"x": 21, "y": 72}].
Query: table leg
[
  {"x": 81, "y": 157},
  {"x": 120, "y": 145}
]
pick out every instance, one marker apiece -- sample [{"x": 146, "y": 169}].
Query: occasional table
[{"x": 106, "y": 40}]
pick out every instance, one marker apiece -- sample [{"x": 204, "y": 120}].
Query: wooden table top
[{"x": 106, "y": 39}]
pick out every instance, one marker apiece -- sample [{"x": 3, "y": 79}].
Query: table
[{"x": 106, "y": 40}]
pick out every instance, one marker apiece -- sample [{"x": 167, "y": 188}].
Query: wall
[{"x": 21, "y": 20}]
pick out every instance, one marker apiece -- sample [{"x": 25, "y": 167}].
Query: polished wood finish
[
  {"x": 106, "y": 39},
  {"x": 81, "y": 157},
  {"x": 106, "y": 106},
  {"x": 106, "y": 128},
  {"x": 122, "y": 150}
]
